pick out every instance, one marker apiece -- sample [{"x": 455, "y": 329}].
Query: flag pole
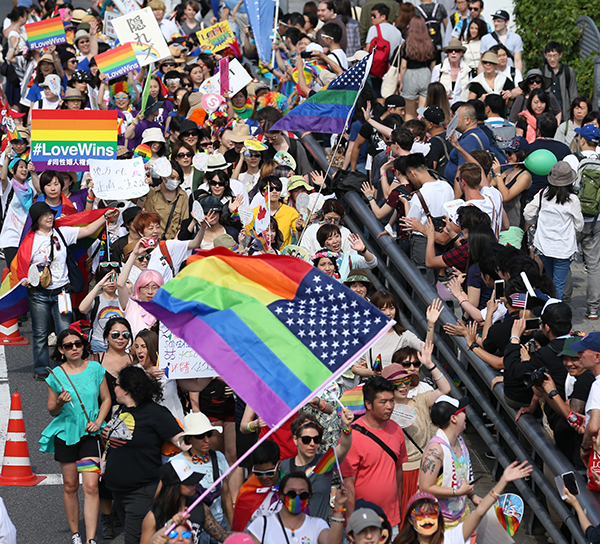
[
  {"x": 337, "y": 463},
  {"x": 273, "y": 42}
]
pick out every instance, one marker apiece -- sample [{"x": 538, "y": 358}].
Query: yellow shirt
[{"x": 286, "y": 217}]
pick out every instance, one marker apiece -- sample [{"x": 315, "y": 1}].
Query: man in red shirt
[{"x": 372, "y": 469}]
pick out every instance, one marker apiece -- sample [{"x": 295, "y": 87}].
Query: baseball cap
[
  {"x": 445, "y": 407},
  {"x": 395, "y": 101},
  {"x": 591, "y": 341},
  {"x": 567, "y": 351},
  {"x": 501, "y": 14},
  {"x": 175, "y": 472},
  {"x": 518, "y": 143},
  {"x": 361, "y": 519},
  {"x": 590, "y": 132},
  {"x": 434, "y": 114},
  {"x": 359, "y": 55}
]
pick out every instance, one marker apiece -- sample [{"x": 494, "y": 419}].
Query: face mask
[
  {"x": 295, "y": 505},
  {"x": 171, "y": 184}
]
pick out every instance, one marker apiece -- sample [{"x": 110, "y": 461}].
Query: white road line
[
  {"x": 54, "y": 479},
  {"x": 4, "y": 402}
]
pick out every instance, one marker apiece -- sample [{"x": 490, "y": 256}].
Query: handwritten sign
[
  {"x": 127, "y": 6},
  {"x": 141, "y": 29},
  {"x": 178, "y": 359},
  {"x": 119, "y": 180},
  {"x": 238, "y": 79},
  {"x": 216, "y": 37},
  {"x": 109, "y": 29}
]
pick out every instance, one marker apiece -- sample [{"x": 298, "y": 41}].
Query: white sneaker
[
  {"x": 76, "y": 539},
  {"x": 52, "y": 342}
]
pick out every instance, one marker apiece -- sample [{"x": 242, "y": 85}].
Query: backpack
[
  {"x": 587, "y": 184},
  {"x": 496, "y": 136},
  {"x": 441, "y": 165},
  {"x": 433, "y": 26},
  {"x": 382, "y": 54}
]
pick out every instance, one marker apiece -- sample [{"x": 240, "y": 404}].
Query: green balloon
[{"x": 540, "y": 162}]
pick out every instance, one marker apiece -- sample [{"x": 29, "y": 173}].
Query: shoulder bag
[
  {"x": 377, "y": 440},
  {"x": 389, "y": 82}
]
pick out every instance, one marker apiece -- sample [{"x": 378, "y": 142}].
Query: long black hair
[
  {"x": 167, "y": 503},
  {"x": 562, "y": 194},
  {"x": 139, "y": 385},
  {"x": 481, "y": 237},
  {"x": 58, "y": 357}
]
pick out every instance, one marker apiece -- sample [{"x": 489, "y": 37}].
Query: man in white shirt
[
  {"x": 502, "y": 35},
  {"x": 167, "y": 27},
  {"x": 331, "y": 34},
  {"x": 379, "y": 18}
]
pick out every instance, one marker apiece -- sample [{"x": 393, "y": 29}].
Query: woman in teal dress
[{"x": 74, "y": 388}]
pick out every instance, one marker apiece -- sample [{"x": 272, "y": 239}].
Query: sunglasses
[
  {"x": 184, "y": 155},
  {"x": 474, "y": 9},
  {"x": 487, "y": 62},
  {"x": 186, "y": 84},
  {"x": 218, "y": 183},
  {"x": 304, "y": 496},
  {"x": 116, "y": 334},
  {"x": 403, "y": 381},
  {"x": 455, "y": 51},
  {"x": 331, "y": 221},
  {"x": 408, "y": 364},
  {"x": 142, "y": 258},
  {"x": 419, "y": 513},
  {"x": 308, "y": 439},
  {"x": 202, "y": 436},
  {"x": 184, "y": 534},
  {"x": 255, "y": 155},
  {"x": 189, "y": 135},
  {"x": 536, "y": 81},
  {"x": 172, "y": 81},
  {"x": 71, "y": 345},
  {"x": 106, "y": 264},
  {"x": 265, "y": 473}
]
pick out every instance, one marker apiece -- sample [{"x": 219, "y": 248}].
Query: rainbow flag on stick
[
  {"x": 275, "y": 328},
  {"x": 325, "y": 464},
  {"x": 354, "y": 400},
  {"x": 117, "y": 61},
  {"x": 46, "y": 32}
]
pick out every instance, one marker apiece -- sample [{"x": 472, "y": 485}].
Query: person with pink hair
[{"x": 144, "y": 289}]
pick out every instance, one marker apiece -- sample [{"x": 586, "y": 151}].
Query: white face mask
[{"x": 171, "y": 184}]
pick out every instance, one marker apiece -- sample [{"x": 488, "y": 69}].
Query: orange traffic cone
[
  {"x": 16, "y": 469},
  {"x": 10, "y": 335}
]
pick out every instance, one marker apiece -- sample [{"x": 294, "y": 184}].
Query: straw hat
[
  {"x": 455, "y": 45},
  {"x": 488, "y": 56},
  {"x": 195, "y": 100},
  {"x": 240, "y": 133},
  {"x": 73, "y": 94},
  {"x": 217, "y": 161}
]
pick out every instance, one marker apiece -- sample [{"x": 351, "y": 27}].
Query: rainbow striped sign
[
  {"x": 65, "y": 140},
  {"x": 117, "y": 61},
  {"x": 45, "y": 33}
]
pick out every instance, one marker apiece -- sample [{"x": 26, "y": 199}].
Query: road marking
[
  {"x": 54, "y": 479},
  {"x": 4, "y": 402}
]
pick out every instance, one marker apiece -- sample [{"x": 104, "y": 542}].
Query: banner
[
  {"x": 109, "y": 29},
  {"x": 238, "y": 79},
  {"x": 216, "y": 37},
  {"x": 65, "y": 140},
  {"x": 261, "y": 14},
  {"x": 178, "y": 359},
  {"x": 117, "y": 61},
  {"x": 45, "y": 33},
  {"x": 119, "y": 180},
  {"x": 143, "y": 31}
]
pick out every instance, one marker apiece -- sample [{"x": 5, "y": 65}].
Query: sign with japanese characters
[
  {"x": 119, "y": 180},
  {"x": 142, "y": 31},
  {"x": 178, "y": 359}
]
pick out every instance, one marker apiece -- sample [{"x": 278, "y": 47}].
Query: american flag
[
  {"x": 329, "y": 319},
  {"x": 518, "y": 300}
]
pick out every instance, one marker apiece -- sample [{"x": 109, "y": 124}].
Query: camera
[
  {"x": 537, "y": 377},
  {"x": 151, "y": 242}
]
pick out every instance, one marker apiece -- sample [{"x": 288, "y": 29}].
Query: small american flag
[{"x": 518, "y": 300}]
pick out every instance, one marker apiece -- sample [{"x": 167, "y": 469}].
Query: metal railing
[{"x": 399, "y": 275}]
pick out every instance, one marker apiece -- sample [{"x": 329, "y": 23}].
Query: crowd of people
[{"x": 493, "y": 230}]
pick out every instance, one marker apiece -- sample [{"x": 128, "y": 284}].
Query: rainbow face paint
[{"x": 296, "y": 503}]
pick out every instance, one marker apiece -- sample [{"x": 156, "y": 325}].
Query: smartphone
[
  {"x": 570, "y": 483},
  {"x": 306, "y": 54},
  {"x": 532, "y": 324},
  {"x": 476, "y": 480},
  {"x": 499, "y": 288},
  {"x": 113, "y": 276}
]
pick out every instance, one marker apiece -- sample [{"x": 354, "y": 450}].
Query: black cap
[
  {"x": 130, "y": 214},
  {"x": 395, "y": 101},
  {"x": 152, "y": 105},
  {"x": 501, "y": 14},
  {"x": 435, "y": 115},
  {"x": 188, "y": 126},
  {"x": 211, "y": 203},
  {"x": 38, "y": 209},
  {"x": 444, "y": 408},
  {"x": 169, "y": 476}
]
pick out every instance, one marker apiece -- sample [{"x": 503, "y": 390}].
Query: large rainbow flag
[
  {"x": 45, "y": 33},
  {"x": 275, "y": 328},
  {"x": 13, "y": 296},
  {"x": 65, "y": 140},
  {"x": 117, "y": 61}
]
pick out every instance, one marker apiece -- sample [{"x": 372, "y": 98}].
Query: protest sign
[
  {"x": 224, "y": 75},
  {"x": 238, "y": 79},
  {"x": 141, "y": 29},
  {"x": 65, "y": 140},
  {"x": 179, "y": 360},
  {"x": 117, "y": 61},
  {"x": 45, "y": 33},
  {"x": 119, "y": 180},
  {"x": 127, "y": 6},
  {"x": 216, "y": 37},
  {"x": 109, "y": 29}
]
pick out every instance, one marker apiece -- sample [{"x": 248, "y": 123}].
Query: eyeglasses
[
  {"x": 536, "y": 81},
  {"x": 202, "y": 436},
  {"x": 186, "y": 84},
  {"x": 150, "y": 287},
  {"x": 308, "y": 439},
  {"x": 205, "y": 143},
  {"x": 265, "y": 473},
  {"x": 73, "y": 60},
  {"x": 275, "y": 188},
  {"x": 172, "y": 81},
  {"x": 106, "y": 264},
  {"x": 271, "y": 139},
  {"x": 331, "y": 221},
  {"x": 184, "y": 155},
  {"x": 189, "y": 135},
  {"x": 184, "y": 534},
  {"x": 420, "y": 512},
  {"x": 71, "y": 345},
  {"x": 218, "y": 183},
  {"x": 121, "y": 96},
  {"x": 116, "y": 334},
  {"x": 142, "y": 258},
  {"x": 255, "y": 155},
  {"x": 454, "y": 51},
  {"x": 408, "y": 364},
  {"x": 403, "y": 381},
  {"x": 305, "y": 495},
  {"x": 474, "y": 9}
]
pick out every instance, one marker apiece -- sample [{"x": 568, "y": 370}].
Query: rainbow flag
[
  {"x": 326, "y": 463},
  {"x": 46, "y": 32},
  {"x": 509, "y": 523},
  {"x": 353, "y": 399},
  {"x": 117, "y": 61},
  {"x": 377, "y": 364},
  {"x": 329, "y": 110},
  {"x": 275, "y": 328},
  {"x": 65, "y": 140}
]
